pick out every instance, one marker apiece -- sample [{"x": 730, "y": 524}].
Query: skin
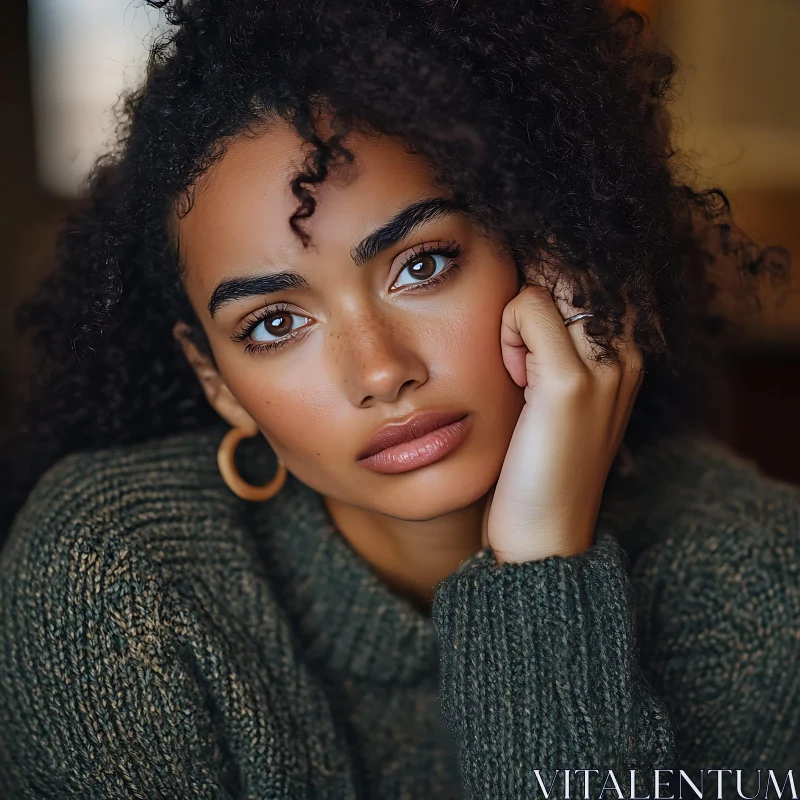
[{"x": 544, "y": 425}]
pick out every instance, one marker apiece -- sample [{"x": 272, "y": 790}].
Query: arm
[
  {"x": 540, "y": 671},
  {"x": 717, "y": 599}
]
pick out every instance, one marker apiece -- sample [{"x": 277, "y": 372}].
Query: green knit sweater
[{"x": 160, "y": 638}]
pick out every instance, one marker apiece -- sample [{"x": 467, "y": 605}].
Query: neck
[{"x": 411, "y": 556}]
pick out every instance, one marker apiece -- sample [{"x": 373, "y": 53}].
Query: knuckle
[
  {"x": 534, "y": 294},
  {"x": 574, "y": 384},
  {"x": 635, "y": 361},
  {"x": 630, "y": 355}
]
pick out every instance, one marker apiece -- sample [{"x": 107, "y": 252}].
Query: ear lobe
[{"x": 219, "y": 396}]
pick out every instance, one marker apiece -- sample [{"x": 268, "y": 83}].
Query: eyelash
[{"x": 450, "y": 249}]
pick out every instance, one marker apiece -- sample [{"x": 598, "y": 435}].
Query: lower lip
[{"x": 417, "y": 453}]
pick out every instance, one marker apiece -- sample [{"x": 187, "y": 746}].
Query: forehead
[{"x": 240, "y": 216}]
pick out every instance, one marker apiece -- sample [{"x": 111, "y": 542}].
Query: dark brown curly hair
[{"x": 546, "y": 118}]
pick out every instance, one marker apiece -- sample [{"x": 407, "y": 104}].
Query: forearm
[{"x": 539, "y": 671}]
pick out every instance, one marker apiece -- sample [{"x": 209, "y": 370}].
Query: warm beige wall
[
  {"x": 738, "y": 122},
  {"x": 740, "y": 87}
]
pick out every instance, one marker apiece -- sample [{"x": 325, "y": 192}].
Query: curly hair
[{"x": 546, "y": 118}]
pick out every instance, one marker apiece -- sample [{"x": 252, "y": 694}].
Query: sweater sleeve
[{"x": 540, "y": 674}]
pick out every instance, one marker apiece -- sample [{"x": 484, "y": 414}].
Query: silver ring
[{"x": 577, "y": 317}]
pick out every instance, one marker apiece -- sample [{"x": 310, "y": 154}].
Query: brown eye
[
  {"x": 277, "y": 324},
  {"x": 423, "y": 267}
]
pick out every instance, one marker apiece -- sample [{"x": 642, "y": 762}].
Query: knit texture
[{"x": 160, "y": 638}]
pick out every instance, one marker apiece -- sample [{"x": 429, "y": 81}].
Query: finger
[
  {"x": 559, "y": 295},
  {"x": 629, "y": 352},
  {"x": 632, "y": 373},
  {"x": 534, "y": 341},
  {"x": 630, "y": 357}
]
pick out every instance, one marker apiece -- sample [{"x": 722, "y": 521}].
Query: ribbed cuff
[{"x": 539, "y": 670}]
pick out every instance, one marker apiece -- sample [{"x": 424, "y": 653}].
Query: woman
[{"x": 432, "y": 253}]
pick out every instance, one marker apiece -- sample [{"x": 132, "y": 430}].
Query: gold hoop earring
[{"x": 233, "y": 480}]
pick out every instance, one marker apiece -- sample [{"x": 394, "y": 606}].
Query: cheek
[
  {"x": 471, "y": 357},
  {"x": 469, "y": 360},
  {"x": 291, "y": 406},
  {"x": 467, "y": 336}
]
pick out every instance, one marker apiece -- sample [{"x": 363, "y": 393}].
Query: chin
[{"x": 437, "y": 489}]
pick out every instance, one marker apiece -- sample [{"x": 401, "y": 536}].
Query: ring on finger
[{"x": 577, "y": 317}]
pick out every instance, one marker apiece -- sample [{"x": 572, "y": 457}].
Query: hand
[{"x": 547, "y": 498}]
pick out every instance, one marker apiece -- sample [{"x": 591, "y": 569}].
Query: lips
[{"x": 412, "y": 428}]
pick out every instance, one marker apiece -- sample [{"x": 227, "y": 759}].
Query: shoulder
[
  {"x": 116, "y": 483},
  {"x": 124, "y": 590},
  {"x": 721, "y": 530},
  {"x": 111, "y": 492},
  {"x": 718, "y": 599},
  {"x": 98, "y": 519},
  {"x": 697, "y": 488},
  {"x": 709, "y": 515}
]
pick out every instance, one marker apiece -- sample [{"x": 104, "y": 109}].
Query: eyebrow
[{"x": 401, "y": 225}]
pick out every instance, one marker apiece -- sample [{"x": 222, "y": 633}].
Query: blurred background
[{"x": 64, "y": 62}]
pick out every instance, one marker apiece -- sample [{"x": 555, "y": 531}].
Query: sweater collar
[{"x": 348, "y": 619}]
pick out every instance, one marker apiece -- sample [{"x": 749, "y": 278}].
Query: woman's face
[{"x": 382, "y": 331}]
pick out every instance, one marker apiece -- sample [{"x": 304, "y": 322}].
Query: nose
[{"x": 377, "y": 357}]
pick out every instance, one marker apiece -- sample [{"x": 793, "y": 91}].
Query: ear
[{"x": 219, "y": 396}]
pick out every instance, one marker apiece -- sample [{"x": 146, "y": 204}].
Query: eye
[
  {"x": 269, "y": 328},
  {"x": 423, "y": 267},
  {"x": 427, "y": 264},
  {"x": 274, "y": 325}
]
